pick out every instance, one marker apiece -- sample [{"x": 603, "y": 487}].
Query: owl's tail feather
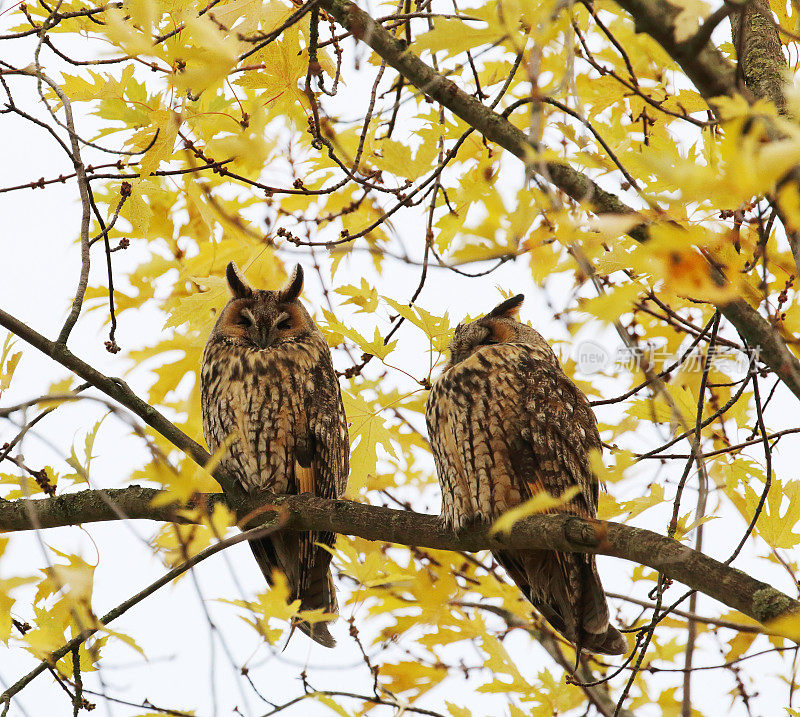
[
  {"x": 319, "y": 593},
  {"x": 282, "y": 552},
  {"x": 565, "y": 588},
  {"x": 597, "y": 634}
]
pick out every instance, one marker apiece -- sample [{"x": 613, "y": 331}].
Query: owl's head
[
  {"x": 261, "y": 319},
  {"x": 500, "y": 326}
]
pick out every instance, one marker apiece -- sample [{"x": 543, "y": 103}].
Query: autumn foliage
[{"x": 632, "y": 167}]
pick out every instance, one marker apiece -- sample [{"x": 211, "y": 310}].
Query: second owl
[
  {"x": 270, "y": 391},
  {"x": 505, "y": 423}
]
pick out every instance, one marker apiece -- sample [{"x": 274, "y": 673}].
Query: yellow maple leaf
[
  {"x": 367, "y": 432},
  {"x": 542, "y": 502},
  {"x": 207, "y": 55}
]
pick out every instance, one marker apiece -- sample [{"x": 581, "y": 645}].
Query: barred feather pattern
[
  {"x": 270, "y": 396},
  {"x": 505, "y": 423}
]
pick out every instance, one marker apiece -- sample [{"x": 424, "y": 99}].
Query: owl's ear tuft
[
  {"x": 236, "y": 281},
  {"x": 508, "y": 309},
  {"x": 293, "y": 287}
]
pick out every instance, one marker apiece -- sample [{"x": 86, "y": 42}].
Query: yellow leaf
[
  {"x": 376, "y": 347},
  {"x": 6, "y": 601},
  {"x": 364, "y": 297},
  {"x": 786, "y": 625},
  {"x": 435, "y": 328},
  {"x": 776, "y": 528},
  {"x": 168, "y": 123},
  {"x": 122, "y": 637},
  {"x": 177, "y": 543},
  {"x": 121, "y": 31},
  {"x": 367, "y": 432},
  {"x": 208, "y": 55},
  {"x": 454, "y": 36},
  {"x": 330, "y": 703},
  {"x": 272, "y": 605},
  {"x": 542, "y": 502},
  {"x": 201, "y": 307},
  {"x": 8, "y": 362},
  {"x": 611, "y": 306},
  {"x": 638, "y": 505}
]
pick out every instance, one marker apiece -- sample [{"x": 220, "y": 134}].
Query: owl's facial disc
[
  {"x": 275, "y": 329},
  {"x": 265, "y": 326}
]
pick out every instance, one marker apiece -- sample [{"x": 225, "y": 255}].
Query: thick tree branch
[
  {"x": 761, "y": 59},
  {"x": 764, "y": 68},
  {"x": 553, "y": 532},
  {"x": 702, "y": 62},
  {"x": 567, "y": 533}
]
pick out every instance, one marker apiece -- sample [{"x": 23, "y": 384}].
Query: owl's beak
[{"x": 265, "y": 338}]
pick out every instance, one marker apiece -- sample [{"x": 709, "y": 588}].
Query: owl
[
  {"x": 505, "y": 423},
  {"x": 270, "y": 395}
]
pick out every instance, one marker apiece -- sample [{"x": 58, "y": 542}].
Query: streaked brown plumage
[
  {"x": 505, "y": 422},
  {"x": 268, "y": 387}
]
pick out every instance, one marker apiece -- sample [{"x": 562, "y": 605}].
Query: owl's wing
[
  {"x": 554, "y": 432},
  {"x": 320, "y": 468},
  {"x": 505, "y": 424},
  {"x": 548, "y": 448},
  {"x": 318, "y": 464},
  {"x": 328, "y": 432}
]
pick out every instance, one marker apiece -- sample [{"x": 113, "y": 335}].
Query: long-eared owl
[
  {"x": 505, "y": 423},
  {"x": 269, "y": 390}
]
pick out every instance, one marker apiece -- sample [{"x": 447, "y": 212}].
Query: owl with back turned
[
  {"x": 270, "y": 395},
  {"x": 505, "y": 423}
]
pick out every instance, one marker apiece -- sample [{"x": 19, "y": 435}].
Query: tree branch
[
  {"x": 712, "y": 74},
  {"x": 120, "y": 391},
  {"x": 490, "y": 124},
  {"x": 83, "y": 188},
  {"x": 761, "y": 67},
  {"x": 761, "y": 59},
  {"x": 764, "y": 69},
  {"x": 702, "y": 62},
  {"x": 553, "y": 532},
  {"x": 566, "y": 533},
  {"x": 581, "y": 675},
  {"x": 123, "y": 607}
]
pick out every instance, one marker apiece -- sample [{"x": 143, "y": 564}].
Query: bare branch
[{"x": 83, "y": 188}]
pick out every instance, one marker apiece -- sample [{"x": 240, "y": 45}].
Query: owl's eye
[
  {"x": 244, "y": 320},
  {"x": 284, "y": 324}
]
